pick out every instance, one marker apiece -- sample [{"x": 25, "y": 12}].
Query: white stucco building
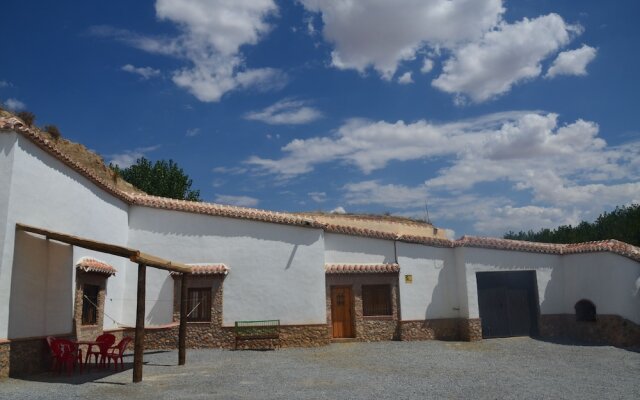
[{"x": 321, "y": 280}]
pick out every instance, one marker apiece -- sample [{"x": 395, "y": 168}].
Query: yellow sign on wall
[{"x": 408, "y": 279}]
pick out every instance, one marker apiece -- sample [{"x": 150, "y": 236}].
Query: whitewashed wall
[
  {"x": 276, "y": 270},
  {"x": 46, "y": 193},
  {"x": 610, "y": 281},
  {"x": 461, "y": 282},
  {"x": 357, "y": 250},
  {"x": 548, "y": 269},
  {"x": 158, "y": 291},
  {"x": 434, "y": 291},
  {"x": 7, "y": 141},
  {"x": 41, "y": 291}
]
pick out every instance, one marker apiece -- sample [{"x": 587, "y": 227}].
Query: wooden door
[{"x": 342, "y": 323}]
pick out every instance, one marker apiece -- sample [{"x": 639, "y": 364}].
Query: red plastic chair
[
  {"x": 54, "y": 357},
  {"x": 105, "y": 341},
  {"x": 66, "y": 354},
  {"x": 115, "y": 353}
]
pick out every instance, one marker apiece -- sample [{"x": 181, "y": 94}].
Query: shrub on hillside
[
  {"x": 27, "y": 116},
  {"x": 53, "y": 131}
]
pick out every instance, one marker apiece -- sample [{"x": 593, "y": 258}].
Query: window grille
[
  {"x": 376, "y": 300},
  {"x": 199, "y": 305}
]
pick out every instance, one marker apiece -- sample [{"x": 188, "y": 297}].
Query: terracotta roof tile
[
  {"x": 613, "y": 246},
  {"x": 206, "y": 269},
  {"x": 361, "y": 268},
  {"x": 88, "y": 264},
  {"x": 223, "y": 210},
  {"x": 348, "y": 230},
  {"x": 507, "y": 244}
]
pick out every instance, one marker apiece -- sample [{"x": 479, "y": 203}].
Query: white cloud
[
  {"x": 318, "y": 197},
  {"x": 217, "y": 182},
  {"x": 567, "y": 171},
  {"x": 193, "y": 132},
  {"x": 338, "y": 210},
  {"x": 129, "y": 157},
  {"x": 370, "y": 145},
  {"x": 230, "y": 170},
  {"x": 381, "y": 34},
  {"x": 405, "y": 78},
  {"x": 144, "y": 72},
  {"x": 484, "y": 55},
  {"x": 572, "y": 62},
  {"x": 4, "y": 84},
  {"x": 212, "y": 33},
  {"x": 286, "y": 112},
  {"x": 14, "y": 105},
  {"x": 505, "y": 56},
  {"x": 241, "y": 201},
  {"x": 427, "y": 66}
]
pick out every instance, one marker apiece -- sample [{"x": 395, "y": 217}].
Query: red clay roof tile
[
  {"x": 206, "y": 269},
  {"x": 88, "y": 264},
  {"x": 361, "y": 268},
  {"x": 613, "y": 246}
]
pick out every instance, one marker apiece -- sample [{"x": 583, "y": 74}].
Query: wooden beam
[
  {"x": 182, "y": 337},
  {"x": 121, "y": 251},
  {"x": 134, "y": 255},
  {"x": 157, "y": 262},
  {"x": 138, "y": 349}
]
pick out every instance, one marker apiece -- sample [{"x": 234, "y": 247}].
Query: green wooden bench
[{"x": 256, "y": 330}]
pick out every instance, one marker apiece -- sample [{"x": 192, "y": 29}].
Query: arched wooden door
[{"x": 341, "y": 315}]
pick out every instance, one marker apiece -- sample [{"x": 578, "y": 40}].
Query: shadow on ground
[{"x": 92, "y": 373}]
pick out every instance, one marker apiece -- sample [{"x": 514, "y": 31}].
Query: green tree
[
  {"x": 622, "y": 224},
  {"x": 165, "y": 179}
]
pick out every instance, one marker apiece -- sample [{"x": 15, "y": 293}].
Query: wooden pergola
[{"x": 143, "y": 260}]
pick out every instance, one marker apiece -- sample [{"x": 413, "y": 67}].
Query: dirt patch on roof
[
  {"x": 83, "y": 156},
  {"x": 383, "y": 223}
]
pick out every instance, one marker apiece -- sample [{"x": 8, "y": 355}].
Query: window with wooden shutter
[
  {"x": 376, "y": 300},
  {"x": 199, "y": 305}
]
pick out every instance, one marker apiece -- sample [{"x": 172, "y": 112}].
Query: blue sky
[{"x": 501, "y": 115}]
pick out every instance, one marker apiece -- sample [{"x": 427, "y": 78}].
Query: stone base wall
[
  {"x": 290, "y": 336},
  {"x": 607, "y": 329},
  {"x": 470, "y": 329},
  {"x": 304, "y": 335},
  {"x": 4, "y": 359},
  {"x": 375, "y": 329},
  {"x": 27, "y": 356},
  {"x": 433, "y": 329},
  {"x": 204, "y": 335}
]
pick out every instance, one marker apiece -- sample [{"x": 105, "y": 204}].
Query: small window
[
  {"x": 199, "y": 305},
  {"x": 376, "y": 300},
  {"x": 90, "y": 304},
  {"x": 585, "y": 311}
]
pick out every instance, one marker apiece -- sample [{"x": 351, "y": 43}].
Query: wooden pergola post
[
  {"x": 182, "y": 334},
  {"x": 139, "y": 339}
]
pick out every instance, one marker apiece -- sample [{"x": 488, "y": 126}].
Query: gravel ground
[{"x": 492, "y": 369}]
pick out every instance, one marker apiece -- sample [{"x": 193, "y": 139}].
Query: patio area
[{"x": 497, "y": 368}]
